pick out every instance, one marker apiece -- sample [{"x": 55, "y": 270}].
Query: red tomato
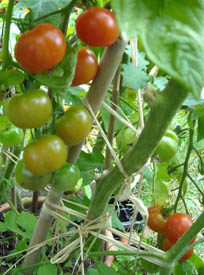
[
  {"x": 166, "y": 245},
  {"x": 97, "y": 27},
  {"x": 176, "y": 226},
  {"x": 41, "y": 48},
  {"x": 156, "y": 220},
  {"x": 86, "y": 67}
]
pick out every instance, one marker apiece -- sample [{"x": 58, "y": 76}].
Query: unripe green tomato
[
  {"x": 27, "y": 180},
  {"x": 167, "y": 147},
  {"x": 125, "y": 139},
  {"x": 66, "y": 178},
  {"x": 11, "y": 137}
]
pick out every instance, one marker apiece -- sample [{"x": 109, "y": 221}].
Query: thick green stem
[
  {"x": 163, "y": 110},
  {"x": 6, "y": 57}
]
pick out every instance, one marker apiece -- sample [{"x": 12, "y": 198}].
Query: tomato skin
[
  {"x": 74, "y": 125},
  {"x": 126, "y": 139},
  {"x": 31, "y": 109},
  {"x": 97, "y": 27},
  {"x": 156, "y": 220},
  {"x": 176, "y": 226},
  {"x": 11, "y": 137},
  {"x": 27, "y": 180},
  {"x": 45, "y": 155},
  {"x": 66, "y": 177},
  {"x": 167, "y": 147},
  {"x": 166, "y": 245},
  {"x": 86, "y": 67},
  {"x": 40, "y": 49}
]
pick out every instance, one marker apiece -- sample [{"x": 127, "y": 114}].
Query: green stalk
[
  {"x": 163, "y": 110},
  {"x": 6, "y": 57}
]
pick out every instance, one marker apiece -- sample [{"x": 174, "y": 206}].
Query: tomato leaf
[
  {"x": 161, "y": 177},
  {"x": 11, "y": 77},
  {"x": 48, "y": 268},
  {"x": 61, "y": 77},
  {"x": 27, "y": 221},
  {"x": 200, "y": 129},
  {"x": 134, "y": 77},
  {"x": 172, "y": 35},
  {"x": 198, "y": 263},
  {"x": 183, "y": 268},
  {"x": 42, "y": 7}
]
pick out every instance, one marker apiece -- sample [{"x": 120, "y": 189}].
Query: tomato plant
[
  {"x": 74, "y": 125},
  {"x": 167, "y": 147},
  {"x": 66, "y": 178},
  {"x": 11, "y": 137},
  {"x": 166, "y": 245},
  {"x": 156, "y": 220},
  {"x": 27, "y": 180},
  {"x": 45, "y": 155},
  {"x": 86, "y": 67},
  {"x": 125, "y": 139},
  {"x": 176, "y": 226},
  {"x": 40, "y": 49},
  {"x": 31, "y": 109},
  {"x": 97, "y": 27}
]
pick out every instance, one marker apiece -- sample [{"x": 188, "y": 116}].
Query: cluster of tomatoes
[
  {"x": 37, "y": 51},
  {"x": 172, "y": 227}
]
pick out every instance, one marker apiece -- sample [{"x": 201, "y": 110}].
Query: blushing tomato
[
  {"x": 31, "y": 109},
  {"x": 176, "y": 226},
  {"x": 97, "y": 27},
  {"x": 86, "y": 67},
  {"x": 156, "y": 220},
  {"x": 27, "y": 180},
  {"x": 45, "y": 155},
  {"x": 40, "y": 49},
  {"x": 74, "y": 125},
  {"x": 166, "y": 245}
]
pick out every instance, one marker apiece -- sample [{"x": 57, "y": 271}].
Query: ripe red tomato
[
  {"x": 31, "y": 109},
  {"x": 40, "y": 49},
  {"x": 97, "y": 27},
  {"x": 45, "y": 155},
  {"x": 166, "y": 245},
  {"x": 156, "y": 220},
  {"x": 86, "y": 67},
  {"x": 176, "y": 226},
  {"x": 74, "y": 125}
]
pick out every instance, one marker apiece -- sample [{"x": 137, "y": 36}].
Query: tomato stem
[{"x": 6, "y": 56}]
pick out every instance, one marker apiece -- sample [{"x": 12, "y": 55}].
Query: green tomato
[
  {"x": 27, "y": 180},
  {"x": 125, "y": 139},
  {"x": 11, "y": 137},
  {"x": 66, "y": 178},
  {"x": 167, "y": 147}
]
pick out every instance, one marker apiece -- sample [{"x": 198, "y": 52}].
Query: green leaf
[
  {"x": 42, "y": 7},
  {"x": 11, "y": 77},
  {"x": 90, "y": 161},
  {"x": 200, "y": 129},
  {"x": 183, "y": 268},
  {"x": 47, "y": 269},
  {"x": 133, "y": 77},
  {"x": 4, "y": 121},
  {"x": 192, "y": 101},
  {"x": 197, "y": 262},
  {"x": 27, "y": 221},
  {"x": 172, "y": 35},
  {"x": 116, "y": 223},
  {"x": 61, "y": 77},
  {"x": 92, "y": 271},
  {"x": 105, "y": 270},
  {"x": 161, "y": 177},
  {"x": 10, "y": 224},
  {"x": 160, "y": 82}
]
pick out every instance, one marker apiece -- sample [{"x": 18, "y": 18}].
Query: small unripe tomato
[
  {"x": 27, "y": 180},
  {"x": 97, "y": 27},
  {"x": 40, "y": 49},
  {"x": 66, "y": 178},
  {"x": 74, "y": 125},
  {"x": 45, "y": 155},
  {"x": 11, "y": 137},
  {"x": 86, "y": 67},
  {"x": 31, "y": 109}
]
